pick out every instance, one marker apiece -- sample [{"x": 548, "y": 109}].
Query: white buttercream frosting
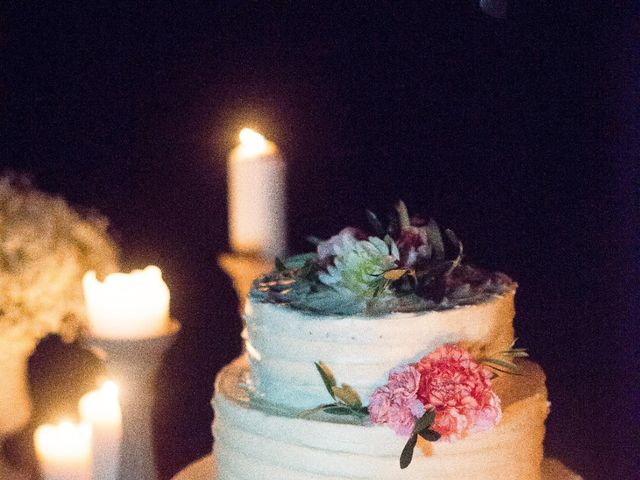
[
  {"x": 283, "y": 343},
  {"x": 251, "y": 443}
]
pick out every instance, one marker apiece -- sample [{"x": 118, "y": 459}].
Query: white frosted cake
[
  {"x": 380, "y": 357},
  {"x": 282, "y": 345}
]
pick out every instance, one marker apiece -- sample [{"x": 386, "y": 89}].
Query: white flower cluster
[{"x": 45, "y": 249}]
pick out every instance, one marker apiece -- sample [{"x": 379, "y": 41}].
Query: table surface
[{"x": 204, "y": 469}]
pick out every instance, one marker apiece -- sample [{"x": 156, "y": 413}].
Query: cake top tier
[{"x": 405, "y": 266}]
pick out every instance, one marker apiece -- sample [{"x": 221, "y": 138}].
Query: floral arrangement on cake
[
  {"x": 405, "y": 266},
  {"x": 45, "y": 249},
  {"x": 444, "y": 396}
]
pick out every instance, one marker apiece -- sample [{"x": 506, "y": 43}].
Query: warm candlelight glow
[
  {"x": 64, "y": 450},
  {"x": 102, "y": 406},
  {"x": 101, "y": 409},
  {"x": 127, "y": 305},
  {"x": 65, "y": 440},
  {"x": 252, "y": 142}
]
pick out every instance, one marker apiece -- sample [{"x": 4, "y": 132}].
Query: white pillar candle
[
  {"x": 257, "y": 197},
  {"x": 127, "y": 305},
  {"x": 101, "y": 409},
  {"x": 64, "y": 451}
]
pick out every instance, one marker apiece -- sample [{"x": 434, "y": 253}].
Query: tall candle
[
  {"x": 257, "y": 197},
  {"x": 64, "y": 451},
  {"x": 101, "y": 409},
  {"x": 127, "y": 305}
]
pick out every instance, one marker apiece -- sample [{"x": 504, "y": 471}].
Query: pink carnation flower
[
  {"x": 459, "y": 390},
  {"x": 397, "y": 403}
]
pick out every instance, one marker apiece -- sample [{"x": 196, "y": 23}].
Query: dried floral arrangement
[
  {"x": 45, "y": 248},
  {"x": 405, "y": 266}
]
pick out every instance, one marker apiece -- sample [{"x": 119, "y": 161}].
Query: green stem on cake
[
  {"x": 347, "y": 400},
  {"x": 308, "y": 413}
]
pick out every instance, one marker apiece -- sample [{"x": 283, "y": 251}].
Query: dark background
[{"x": 520, "y": 134}]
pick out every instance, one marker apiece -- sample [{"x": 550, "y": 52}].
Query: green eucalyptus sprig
[
  {"x": 422, "y": 429},
  {"x": 502, "y": 362},
  {"x": 346, "y": 399}
]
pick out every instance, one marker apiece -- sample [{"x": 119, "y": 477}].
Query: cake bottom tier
[
  {"x": 258, "y": 441},
  {"x": 205, "y": 469}
]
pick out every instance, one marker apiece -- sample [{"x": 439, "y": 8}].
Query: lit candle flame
[
  {"x": 110, "y": 388},
  {"x": 252, "y": 141},
  {"x": 101, "y": 405},
  {"x": 127, "y": 305},
  {"x": 63, "y": 441}
]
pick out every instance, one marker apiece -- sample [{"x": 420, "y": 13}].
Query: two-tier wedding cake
[{"x": 381, "y": 355}]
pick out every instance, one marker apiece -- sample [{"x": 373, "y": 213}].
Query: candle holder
[
  {"x": 243, "y": 269},
  {"x": 133, "y": 364}
]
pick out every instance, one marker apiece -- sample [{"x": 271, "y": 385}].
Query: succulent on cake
[
  {"x": 359, "y": 266},
  {"x": 408, "y": 265},
  {"x": 45, "y": 249}
]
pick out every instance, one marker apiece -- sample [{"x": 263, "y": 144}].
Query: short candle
[
  {"x": 127, "y": 305},
  {"x": 64, "y": 451},
  {"x": 101, "y": 409}
]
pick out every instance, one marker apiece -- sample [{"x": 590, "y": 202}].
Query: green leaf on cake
[
  {"x": 280, "y": 266},
  {"x": 505, "y": 364},
  {"x": 375, "y": 223},
  {"x": 505, "y": 371},
  {"x": 435, "y": 239},
  {"x": 501, "y": 366},
  {"x": 454, "y": 239},
  {"x": 501, "y": 363},
  {"x": 430, "y": 435},
  {"x": 327, "y": 377},
  {"x": 407, "y": 452},
  {"x": 403, "y": 215},
  {"x": 516, "y": 353},
  {"x": 307, "y": 270},
  {"x": 423, "y": 429},
  {"x": 347, "y": 400},
  {"x": 321, "y": 408},
  {"x": 299, "y": 261},
  {"x": 348, "y": 396},
  {"x": 388, "y": 240},
  {"x": 513, "y": 344},
  {"x": 425, "y": 421},
  {"x": 338, "y": 410},
  {"x": 395, "y": 274},
  {"x": 380, "y": 286}
]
